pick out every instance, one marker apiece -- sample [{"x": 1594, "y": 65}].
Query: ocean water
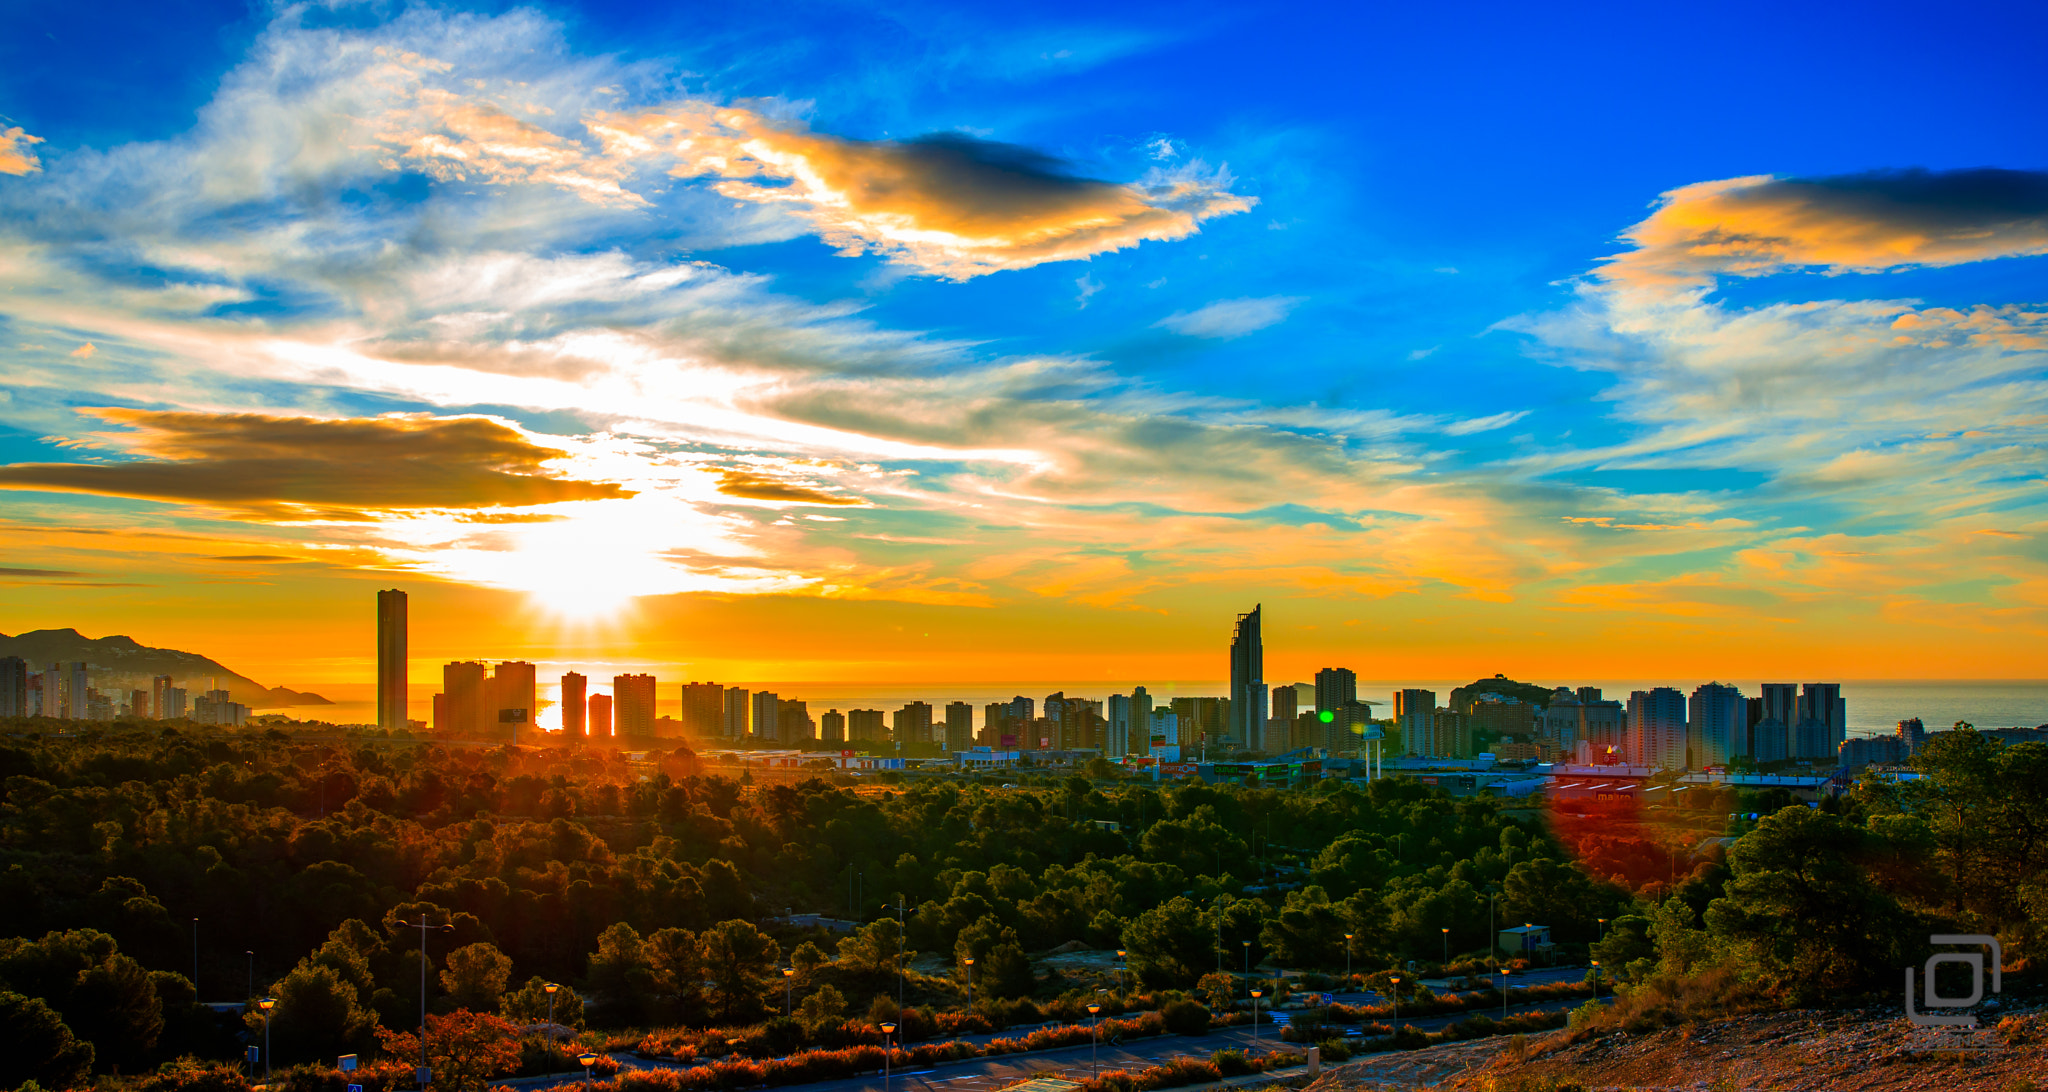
[{"x": 1874, "y": 705}]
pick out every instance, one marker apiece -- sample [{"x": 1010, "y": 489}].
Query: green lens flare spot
[{"x": 1326, "y": 716}]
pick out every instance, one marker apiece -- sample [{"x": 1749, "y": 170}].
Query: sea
[{"x": 1875, "y": 706}]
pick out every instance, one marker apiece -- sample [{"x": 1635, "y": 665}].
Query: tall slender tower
[
  {"x": 574, "y": 706},
  {"x": 1247, "y": 681},
  {"x": 391, "y": 659}
]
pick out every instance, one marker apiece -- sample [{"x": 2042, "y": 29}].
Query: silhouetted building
[
  {"x": 767, "y": 716},
  {"x": 1247, "y": 680},
  {"x": 1913, "y": 735},
  {"x": 158, "y": 705},
  {"x": 600, "y": 716},
  {"x": 575, "y": 707},
  {"x": 459, "y": 709},
  {"x": 14, "y": 691},
  {"x": 959, "y": 726},
  {"x": 913, "y": 723},
  {"x": 1412, "y": 710},
  {"x": 793, "y": 720},
  {"x": 996, "y": 731},
  {"x": 866, "y": 725},
  {"x": 1855, "y": 754},
  {"x": 1450, "y": 734},
  {"x": 391, "y": 660},
  {"x": 737, "y": 707},
  {"x": 1717, "y": 725},
  {"x": 1823, "y": 722},
  {"x": 1336, "y": 687},
  {"x": 703, "y": 711},
  {"x": 633, "y": 705},
  {"x": 832, "y": 726}
]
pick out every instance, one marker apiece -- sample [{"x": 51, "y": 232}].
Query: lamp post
[
  {"x": 266, "y": 1005},
  {"x": 1122, "y": 957},
  {"x": 1256, "y": 994},
  {"x": 1347, "y": 959},
  {"x": 888, "y": 1029},
  {"x": 551, "y": 987},
  {"x": 1603, "y": 928},
  {"x": 1094, "y": 1036},
  {"x": 1247, "y": 961},
  {"x": 588, "y": 1059},
  {"x": 425, "y": 1074},
  {"x": 1447, "y": 947},
  {"x": 1596, "y": 980},
  {"x": 788, "y": 988},
  {"x": 1503, "y": 993},
  {"x": 970, "y": 985},
  {"x": 1396, "y": 980}
]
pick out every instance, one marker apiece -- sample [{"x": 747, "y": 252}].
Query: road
[{"x": 987, "y": 1074}]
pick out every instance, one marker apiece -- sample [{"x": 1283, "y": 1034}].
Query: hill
[
  {"x": 122, "y": 662},
  {"x": 1532, "y": 693}
]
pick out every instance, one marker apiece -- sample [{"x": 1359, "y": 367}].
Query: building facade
[
  {"x": 1247, "y": 681},
  {"x": 391, "y": 659}
]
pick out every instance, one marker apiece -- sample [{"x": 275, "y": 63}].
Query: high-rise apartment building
[
  {"x": 1119, "y": 739},
  {"x": 793, "y": 720},
  {"x": 391, "y": 660},
  {"x": 1772, "y": 715},
  {"x": 633, "y": 705},
  {"x": 1718, "y": 723},
  {"x": 703, "y": 712},
  {"x": 1283, "y": 704},
  {"x": 1247, "y": 680},
  {"x": 1450, "y": 734},
  {"x": 512, "y": 699},
  {"x": 832, "y": 726},
  {"x": 1823, "y": 722},
  {"x": 995, "y": 727},
  {"x": 1022, "y": 708},
  {"x": 172, "y": 706},
  {"x": 575, "y": 707},
  {"x": 959, "y": 726},
  {"x": 600, "y": 716},
  {"x": 1656, "y": 728},
  {"x": 1166, "y": 729},
  {"x": 767, "y": 716},
  {"x": 14, "y": 690},
  {"x": 1412, "y": 712},
  {"x": 459, "y": 709},
  {"x": 913, "y": 723},
  {"x": 1912, "y": 735},
  {"x": 138, "y": 703},
  {"x": 157, "y": 705},
  {"x": 1336, "y": 688},
  {"x": 737, "y": 707},
  {"x": 865, "y": 725}
]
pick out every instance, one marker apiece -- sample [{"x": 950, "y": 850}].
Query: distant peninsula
[{"x": 123, "y": 663}]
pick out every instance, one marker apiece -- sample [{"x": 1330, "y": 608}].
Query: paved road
[{"x": 987, "y": 1074}]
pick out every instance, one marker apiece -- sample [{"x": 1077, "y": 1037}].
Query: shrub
[
  {"x": 1186, "y": 1018},
  {"x": 1230, "y": 1063}
]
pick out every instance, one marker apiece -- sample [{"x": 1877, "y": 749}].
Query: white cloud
[{"x": 1231, "y": 318}]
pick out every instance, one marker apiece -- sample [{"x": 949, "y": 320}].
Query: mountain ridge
[{"x": 120, "y": 661}]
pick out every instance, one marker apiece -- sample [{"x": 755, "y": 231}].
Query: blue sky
[{"x": 1094, "y": 310}]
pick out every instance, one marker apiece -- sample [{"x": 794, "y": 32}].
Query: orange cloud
[
  {"x": 458, "y": 139},
  {"x": 15, "y": 157},
  {"x": 342, "y": 467},
  {"x": 1759, "y": 225},
  {"x": 949, "y": 205}
]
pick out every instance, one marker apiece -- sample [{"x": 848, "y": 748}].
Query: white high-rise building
[
  {"x": 1656, "y": 728},
  {"x": 1719, "y": 725}
]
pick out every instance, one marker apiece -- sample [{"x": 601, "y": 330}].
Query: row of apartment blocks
[
  {"x": 63, "y": 691},
  {"x": 1660, "y": 727}
]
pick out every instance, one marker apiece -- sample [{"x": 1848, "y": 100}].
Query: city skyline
[{"x": 603, "y": 338}]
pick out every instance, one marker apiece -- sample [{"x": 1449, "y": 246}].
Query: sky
[{"x": 885, "y": 343}]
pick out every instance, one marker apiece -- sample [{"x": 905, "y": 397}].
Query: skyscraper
[
  {"x": 13, "y": 687},
  {"x": 865, "y": 725},
  {"x": 832, "y": 726},
  {"x": 1336, "y": 687},
  {"x": 391, "y": 659},
  {"x": 1247, "y": 680},
  {"x": 633, "y": 705},
  {"x": 1718, "y": 728},
  {"x": 913, "y": 723},
  {"x": 959, "y": 726},
  {"x": 1412, "y": 712},
  {"x": 460, "y": 708},
  {"x": 793, "y": 720},
  {"x": 735, "y": 712},
  {"x": 77, "y": 692},
  {"x": 600, "y": 716},
  {"x": 575, "y": 706},
  {"x": 1823, "y": 721},
  {"x": 703, "y": 713},
  {"x": 512, "y": 698},
  {"x": 767, "y": 719},
  {"x": 1656, "y": 728},
  {"x": 158, "y": 707}
]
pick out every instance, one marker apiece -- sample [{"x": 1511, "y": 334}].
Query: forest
[{"x": 136, "y": 859}]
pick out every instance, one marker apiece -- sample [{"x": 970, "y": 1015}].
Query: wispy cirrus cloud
[{"x": 1234, "y": 318}]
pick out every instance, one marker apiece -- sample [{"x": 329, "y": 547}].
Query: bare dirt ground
[{"x": 1800, "y": 1051}]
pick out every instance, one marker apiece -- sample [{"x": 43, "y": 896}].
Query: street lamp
[
  {"x": 970, "y": 985},
  {"x": 1396, "y": 991},
  {"x": 1122, "y": 956},
  {"x": 551, "y": 987},
  {"x": 788, "y": 986},
  {"x": 266, "y": 1005},
  {"x": 1503, "y": 993},
  {"x": 425, "y": 1075},
  {"x": 1094, "y": 1022},
  {"x": 1603, "y": 928},
  {"x": 1347, "y": 959},
  {"x": 888, "y": 1029},
  {"x": 588, "y": 1059},
  {"x": 1256, "y": 994},
  {"x": 1596, "y": 980},
  {"x": 1247, "y": 960},
  {"x": 1447, "y": 947}
]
